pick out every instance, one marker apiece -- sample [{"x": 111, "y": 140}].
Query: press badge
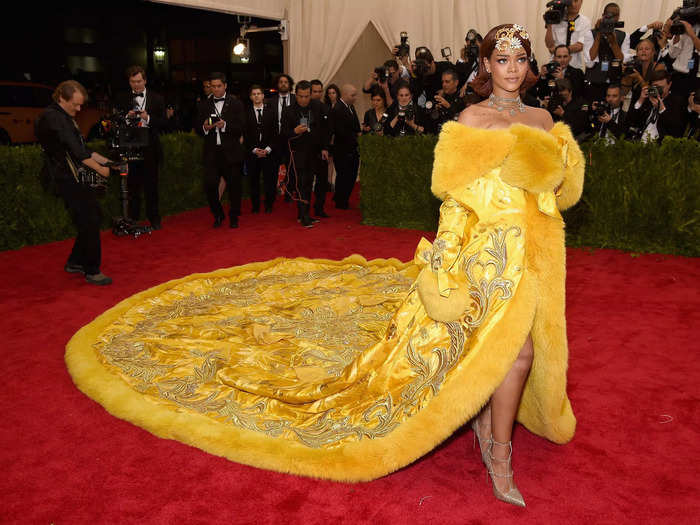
[
  {"x": 691, "y": 64},
  {"x": 604, "y": 65}
]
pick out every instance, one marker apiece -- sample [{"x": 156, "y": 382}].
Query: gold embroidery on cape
[{"x": 337, "y": 338}]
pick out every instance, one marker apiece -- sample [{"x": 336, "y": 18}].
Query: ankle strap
[{"x": 509, "y": 444}]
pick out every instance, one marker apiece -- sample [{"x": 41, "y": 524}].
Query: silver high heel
[{"x": 513, "y": 495}]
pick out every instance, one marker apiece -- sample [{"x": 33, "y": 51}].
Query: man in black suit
[
  {"x": 321, "y": 164},
  {"x": 222, "y": 119},
  {"x": 280, "y": 100},
  {"x": 655, "y": 116},
  {"x": 345, "y": 127},
  {"x": 148, "y": 107},
  {"x": 612, "y": 124},
  {"x": 260, "y": 137},
  {"x": 305, "y": 128},
  {"x": 546, "y": 80}
]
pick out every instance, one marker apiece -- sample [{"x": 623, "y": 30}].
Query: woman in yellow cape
[{"x": 349, "y": 370}]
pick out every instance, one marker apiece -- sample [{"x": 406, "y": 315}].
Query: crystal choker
[{"x": 511, "y": 104}]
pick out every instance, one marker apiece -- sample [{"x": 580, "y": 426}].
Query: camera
[
  {"x": 382, "y": 74},
  {"x": 403, "y": 49},
  {"x": 421, "y": 67},
  {"x": 471, "y": 39},
  {"x": 608, "y": 25},
  {"x": 631, "y": 66},
  {"x": 406, "y": 113},
  {"x": 446, "y": 53},
  {"x": 653, "y": 92},
  {"x": 379, "y": 125},
  {"x": 600, "y": 108},
  {"x": 552, "y": 67},
  {"x": 556, "y": 11},
  {"x": 555, "y": 98},
  {"x": 690, "y": 12}
]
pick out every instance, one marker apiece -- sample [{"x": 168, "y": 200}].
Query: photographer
[
  {"x": 658, "y": 113},
  {"x": 572, "y": 30},
  {"x": 426, "y": 76},
  {"x": 684, "y": 49},
  {"x": 405, "y": 117},
  {"x": 468, "y": 63},
  {"x": 387, "y": 78},
  {"x": 639, "y": 71},
  {"x": 447, "y": 105},
  {"x": 145, "y": 109},
  {"x": 557, "y": 69},
  {"x": 611, "y": 120},
  {"x": 376, "y": 117},
  {"x": 694, "y": 113},
  {"x": 655, "y": 31},
  {"x": 610, "y": 49},
  {"x": 64, "y": 153},
  {"x": 564, "y": 107}
]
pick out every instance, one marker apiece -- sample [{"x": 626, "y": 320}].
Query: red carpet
[{"x": 633, "y": 377}]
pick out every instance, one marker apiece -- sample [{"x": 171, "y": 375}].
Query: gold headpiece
[{"x": 506, "y": 38}]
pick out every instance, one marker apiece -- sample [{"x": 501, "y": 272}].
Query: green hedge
[
  {"x": 32, "y": 216},
  {"x": 637, "y": 197}
]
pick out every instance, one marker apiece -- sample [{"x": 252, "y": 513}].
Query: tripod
[{"x": 124, "y": 225}]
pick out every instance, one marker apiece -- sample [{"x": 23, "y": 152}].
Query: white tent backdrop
[{"x": 323, "y": 32}]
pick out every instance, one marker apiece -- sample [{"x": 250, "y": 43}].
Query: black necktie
[
  {"x": 259, "y": 115},
  {"x": 219, "y": 99},
  {"x": 284, "y": 102}
]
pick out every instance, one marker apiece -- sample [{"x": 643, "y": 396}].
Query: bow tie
[
  {"x": 137, "y": 95},
  {"x": 219, "y": 99}
]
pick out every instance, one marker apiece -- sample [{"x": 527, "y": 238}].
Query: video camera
[
  {"x": 124, "y": 136},
  {"x": 403, "y": 49},
  {"x": 690, "y": 12},
  {"x": 556, "y": 11},
  {"x": 608, "y": 25}
]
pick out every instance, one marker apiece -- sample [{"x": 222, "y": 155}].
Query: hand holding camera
[
  {"x": 694, "y": 102},
  {"x": 442, "y": 102}
]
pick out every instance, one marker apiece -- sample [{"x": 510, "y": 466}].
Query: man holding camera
[
  {"x": 658, "y": 113},
  {"x": 145, "y": 109},
  {"x": 467, "y": 65},
  {"x": 684, "y": 49},
  {"x": 557, "y": 69},
  {"x": 260, "y": 136},
  {"x": 65, "y": 153},
  {"x": 387, "y": 78},
  {"x": 426, "y": 76},
  {"x": 222, "y": 120},
  {"x": 611, "y": 118},
  {"x": 610, "y": 49},
  {"x": 305, "y": 126},
  {"x": 566, "y": 108},
  {"x": 447, "y": 104},
  {"x": 565, "y": 26}
]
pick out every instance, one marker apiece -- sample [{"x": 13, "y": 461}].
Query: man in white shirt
[
  {"x": 685, "y": 51},
  {"x": 574, "y": 32}
]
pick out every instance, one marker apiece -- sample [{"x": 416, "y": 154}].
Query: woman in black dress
[{"x": 376, "y": 117}]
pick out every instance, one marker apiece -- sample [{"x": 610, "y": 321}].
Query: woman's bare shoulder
[{"x": 473, "y": 116}]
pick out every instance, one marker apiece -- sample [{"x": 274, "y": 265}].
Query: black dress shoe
[
  {"x": 306, "y": 222},
  {"x": 99, "y": 279},
  {"x": 233, "y": 222},
  {"x": 217, "y": 222},
  {"x": 322, "y": 215},
  {"x": 268, "y": 208},
  {"x": 74, "y": 268},
  {"x": 314, "y": 220},
  {"x": 155, "y": 226}
]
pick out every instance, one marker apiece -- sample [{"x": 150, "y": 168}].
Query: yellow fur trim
[
  {"x": 534, "y": 163},
  {"x": 355, "y": 461},
  {"x": 463, "y": 154},
  {"x": 444, "y": 309},
  {"x": 532, "y": 159},
  {"x": 572, "y": 188}
]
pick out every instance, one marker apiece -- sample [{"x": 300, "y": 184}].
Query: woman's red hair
[{"x": 482, "y": 84}]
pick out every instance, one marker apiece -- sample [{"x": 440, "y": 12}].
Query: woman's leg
[{"x": 504, "y": 406}]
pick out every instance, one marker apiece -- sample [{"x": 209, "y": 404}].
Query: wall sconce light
[{"x": 159, "y": 54}]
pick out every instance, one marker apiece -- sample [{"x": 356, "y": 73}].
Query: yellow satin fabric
[{"x": 319, "y": 352}]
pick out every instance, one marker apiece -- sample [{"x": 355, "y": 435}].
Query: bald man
[{"x": 345, "y": 127}]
